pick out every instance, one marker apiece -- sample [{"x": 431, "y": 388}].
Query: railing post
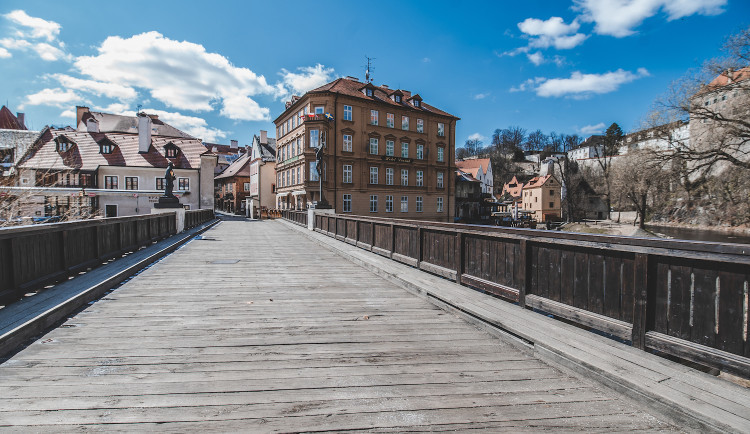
[
  {"x": 640, "y": 305},
  {"x": 393, "y": 240},
  {"x": 372, "y": 235},
  {"x": 64, "y": 249},
  {"x": 458, "y": 255},
  {"x": 356, "y": 232},
  {"x": 419, "y": 245},
  {"x": 525, "y": 286}
]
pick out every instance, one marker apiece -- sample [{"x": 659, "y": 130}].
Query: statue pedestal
[
  {"x": 311, "y": 215},
  {"x": 171, "y": 206}
]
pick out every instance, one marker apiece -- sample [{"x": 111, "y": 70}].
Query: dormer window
[
  {"x": 397, "y": 98},
  {"x": 106, "y": 146},
  {"x": 368, "y": 92},
  {"x": 63, "y": 144},
  {"x": 171, "y": 150},
  {"x": 416, "y": 102}
]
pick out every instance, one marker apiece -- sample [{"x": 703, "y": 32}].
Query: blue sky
[{"x": 222, "y": 70}]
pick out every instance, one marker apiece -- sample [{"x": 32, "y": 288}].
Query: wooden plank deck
[{"x": 256, "y": 328}]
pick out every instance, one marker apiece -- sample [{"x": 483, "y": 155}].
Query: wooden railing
[
  {"x": 298, "y": 217},
  {"x": 688, "y": 299},
  {"x": 37, "y": 255},
  {"x": 197, "y": 217}
]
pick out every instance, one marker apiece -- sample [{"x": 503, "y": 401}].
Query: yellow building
[{"x": 542, "y": 196}]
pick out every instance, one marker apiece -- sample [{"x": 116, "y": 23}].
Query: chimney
[
  {"x": 144, "y": 133},
  {"x": 80, "y": 111},
  {"x": 233, "y": 145},
  {"x": 92, "y": 126},
  {"x": 263, "y": 137},
  {"x": 21, "y": 120},
  {"x": 730, "y": 75}
]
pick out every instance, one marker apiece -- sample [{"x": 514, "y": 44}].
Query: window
[
  {"x": 440, "y": 204},
  {"x": 374, "y": 145},
  {"x": 160, "y": 183},
  {"x": 441, "y": 129},
  {"x": 389, "y": 148},
  {"x": 389, "y": 204},
  {"x": 314, "y": 138},
  {"x": 404, "y": 150},
  {"x": 294, "y": 177},
  {"x": 106, "y": 148},
  {"x": 170, "y": 150},
  {"x": 347, "y": 203},
  {"x": 420, "y": 152},
  {"x": 397, "y": 98},
  {"x": 368, "y": 92},
  {"x": 299, "y": 145},
  {"x": 419, "y": 203},
  {"x": 373, "y": 175},
  {"x": 404, "y": 203},
  {"x": 389, "y": 176},
  {"x": 314, "y": 171},
  {"x": 552, "y": 204},
  {"x": 347, "y": 173},
  {"x": 552, "y": 192},
  {"x": 416, "y": 102},
  {"x": 440, "y": 180},
  {"x": 319, "y": 109},
  {"x": 404, "y": 176},
  {"x": 85, "y": 180},
  {"x": 246, "y": 186},
  {"x": 420, "y": 126},
  {"x": 405, "y": 123},
  {"x": 373, "y": 203},
  {"x": 373, "y": 117},
  {"x": 183, "y": 184},
  {"x": 348, "y": 142},
  {"x": 299, "y": 175},
  {"x": 347, "y": 112},
  {"x": 131, "y": 183},
  {"x": 110, "y": 182},
  {"x": 441, "y": 154},
  {"x": 420, "y": 178},
  {"x": 389, "y": 120}
]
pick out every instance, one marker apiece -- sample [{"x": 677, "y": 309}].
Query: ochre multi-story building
[
  {"x": 386, "y": 153},
  {"x": 542, "y": 196}
]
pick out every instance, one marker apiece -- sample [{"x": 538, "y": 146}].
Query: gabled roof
[
  {"x": 473, "y": 165},
  {"x": 264, "y": 151},
  {"x": 20, "y": 140},
  {"x": 86, "y": 154},
  {"x": 465, "y": 177},
  {"x": 538, "y": 181},
  {"x": 353, "y": 88},
  {"x": 9, "y": 121},
  {"x": 513, "y": 187},
  {"x": 110, "y": 123},
  {"x": 239, "y": 167},
  {"x": 729, "y": 77}
]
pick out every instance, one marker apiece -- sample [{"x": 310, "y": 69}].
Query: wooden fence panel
[
  {"x": 406, "y": 241},
  {"x": 439, "y": 248},
  {"x": 383, "y": 236}
]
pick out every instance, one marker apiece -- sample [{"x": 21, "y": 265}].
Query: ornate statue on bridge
[{"x": 168, "y": 199}]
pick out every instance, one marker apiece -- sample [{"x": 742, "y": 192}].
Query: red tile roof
[
  {"x": 516, "y": 188},
  {"x": 239, "y": 167},
  {"x": 9, "y": 121},
  {"x": 472, "y": 165},
  {"x": 85, "y": 154},
  {"x": 723, "y": 79},
  {"x": 352, "y": 88},
  {"x": 537, "y": 181}
]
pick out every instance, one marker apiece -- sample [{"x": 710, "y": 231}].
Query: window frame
[
  {"x": 129, "y": 180},
  {"x": 404, "y": 150},
  {"x": 390, "y": 120},
  {"x": 347, "y": 174},
  {"x": 440, "y": 180},
  {"x": 405, "y": 177},
  {"x": 373, "y": 203},
  {"x": 420, "y": 178},
  {"x": 347, "y": 112},
  {"x": 374, "y": 175},
  {"x": 389, "y": 175},
  {"x": 108, "y": 182},
  {"x": 419, "y": 204},
  {"x": 390, "y": 146},
  {"x": 347, "y": 143},
  {"x": 373, "y": 146},
  {"x": 405, "y": 123},
  {"x": 374, "y": 117},
  {"x": 347, "y": 202},
  {"x": 389, "y": 203},
  {"x": 404, "y": 203}
]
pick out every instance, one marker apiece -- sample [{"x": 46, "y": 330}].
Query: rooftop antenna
[
  {"x": 138, "y": 110},
  {"x": 369, "y": 68}
]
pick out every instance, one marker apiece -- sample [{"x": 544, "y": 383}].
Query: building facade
[
  {"x": 481, "y": 169},
  {"x": 262, "y": 175},
  {"x": 233, "y": 185},
  {"x": 385, "y": 152},
  {"x": 541, "y": 195},
  {"x": 113, "y": 165}
]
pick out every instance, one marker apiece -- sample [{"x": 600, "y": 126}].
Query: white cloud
[
  {"x": 68, "y": 114},
  {"x": 309, "y": 78},
  {"x": 98, "y": 88},
  {"x": 37, "y": 27},
  {"x": 619, "y": 17},
  {"x": 179, "y": 74},
  {"x": 52, "y": 97},
  {"x": 536, "y": 58},
  {"x": 50, "y": 53},
  {"x": 552, "y": 33},
  {"x": 15, "y": 44},
  {"x": 592, "y": 129},
  {"x": 581, "y": 85},
  {"x": 4, "y": 54},
  {"x": 482, "y": 95},
  {"x": 195, "y": 126},
  {"x": 477, "y": 136}
]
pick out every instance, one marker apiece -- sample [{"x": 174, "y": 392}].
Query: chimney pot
[
  {"x": 21, "y": 120},
  {"x": 233, "y": 144},
  {"x": 80, "y": 111},
  {"x": 144, "y": 133},
  {"x": 264, "y": 137}
]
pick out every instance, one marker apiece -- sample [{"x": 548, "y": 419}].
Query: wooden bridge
[{"x": 264, "y": 326}]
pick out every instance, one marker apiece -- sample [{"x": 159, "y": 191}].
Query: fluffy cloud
[
  {"x": 29, "y": 30},
  {"x": 36, "y": 28},
  {"x": 53, "y": 97},
  {"x": 481, "y": 95},
  {"x": 580, "y": 85},
  {"x": 536, "y": 58},
  {"x": 4, "y": 54},
  {"x": 619, "y": 17},
  {"x": 98, "y": 88},
  {"x": 592, "y": 129},
  {"x": 179, "y": 74},
  {"x": 195, "y": 126},
  {"x": 477, "y": 136},
  {"x": 552, "y": 33},
  {"x": 308, "y": 78}
]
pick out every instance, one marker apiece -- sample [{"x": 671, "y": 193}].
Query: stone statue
[{"x": 169, "y": 180}]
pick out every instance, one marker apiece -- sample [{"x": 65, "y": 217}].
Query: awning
[{"x": 299, "y": 193}]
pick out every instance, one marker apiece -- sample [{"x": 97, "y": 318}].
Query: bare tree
[
  {"x": 536, "y": 141},
  {"x": 637, "y": 178},
  {"x": 604, "y": 154}
]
